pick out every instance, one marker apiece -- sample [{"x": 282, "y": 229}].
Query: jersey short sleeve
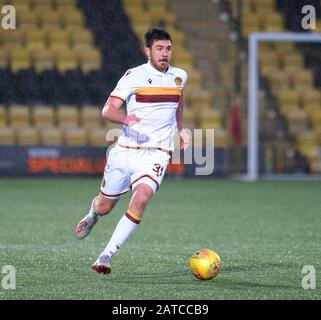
[
  {"x": 125, "y": 86},
  {"x": 185, "y": 77}
]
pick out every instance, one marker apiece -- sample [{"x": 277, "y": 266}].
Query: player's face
[{"x": 160, "y": 54}]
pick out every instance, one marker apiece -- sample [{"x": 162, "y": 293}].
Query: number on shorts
[{"x": 158, "y": 169}]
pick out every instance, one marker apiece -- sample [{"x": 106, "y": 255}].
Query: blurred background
[{"x": 59, "y": 65}]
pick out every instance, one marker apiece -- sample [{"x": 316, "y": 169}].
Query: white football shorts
[{"x": 126, "y": 168}]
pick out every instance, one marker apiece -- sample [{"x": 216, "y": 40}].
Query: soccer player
[{"x": 153, "y": 93}]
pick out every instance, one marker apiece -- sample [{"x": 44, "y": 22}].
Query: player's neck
[{"x": 162, "y": 70}]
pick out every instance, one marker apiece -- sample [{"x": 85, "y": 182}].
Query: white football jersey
[{"x": 153, "y": 96}]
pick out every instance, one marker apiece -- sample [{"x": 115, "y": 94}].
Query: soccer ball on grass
[{"x": 205, "y": 264}]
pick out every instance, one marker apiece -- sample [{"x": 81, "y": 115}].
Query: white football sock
[{"x": 125, "y": 227}]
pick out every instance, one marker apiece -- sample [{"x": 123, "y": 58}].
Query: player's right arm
[
  {"x": 112, "y": 112},
  {"x": 125, "y": 88}
]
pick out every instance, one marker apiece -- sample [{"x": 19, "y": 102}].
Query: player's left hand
[{"x": 184, "y": 139}]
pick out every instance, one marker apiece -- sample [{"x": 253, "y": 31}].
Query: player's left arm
[{"x": 183, "y": 135}]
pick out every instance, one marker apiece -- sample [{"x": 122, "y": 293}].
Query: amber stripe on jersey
[{"x": 158, "y": 94}]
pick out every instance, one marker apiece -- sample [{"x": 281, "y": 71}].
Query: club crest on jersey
[
  {"x": 150, "y": 81},
  {"x": 178, "y": 81}
]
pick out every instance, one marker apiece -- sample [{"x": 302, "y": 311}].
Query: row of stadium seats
[
  {"x": 36, "y": 3},
  {"x": 65, "y": 122},
  {"x": 49, "y": 34},
  {"x": 61, "y": 57},
  {"x": 47, "y": 116},
  {"x": 47, "y": 125},
  {"x": 87, "y": 116},
  {"x": 47, "y": 17},
  {"x": 77, "y": 37},
  {"x": 53, "y": 136}
]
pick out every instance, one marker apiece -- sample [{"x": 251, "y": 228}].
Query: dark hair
[{"x": 155, "y": 34}]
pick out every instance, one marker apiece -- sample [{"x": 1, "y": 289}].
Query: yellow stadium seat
[
  {"x": 194, "y": 75},
  {"x": 20, "y": 60},
  {"x": 315, "y": 166},
  {"x": 210, "y": 118},
  {"x": 189, "y": 114},
  {"x": 182, "y": 56},
  {"x": 269, "y": 58},
  {"x": 268, "y": 70},
  {"x": 287, "y": 108},
  {"x": 67, "y": 60},
  {"x": 221, "y": 138},
  {"x": 46, "y": 3},
  {"x": 43, "y": 117},
  {"x": 43, "y": 60},
  {"x": 75, "y": 136},
  {"x": 48, "y": 19},
  {"x": 316, "y": 119},
  {"x": 51, "y": 136},
  {"x": 179, "y": 37},
  {"x": 35, "y": 36},
  {"x": 32, "y": 48},
  {"x": 279, "y": 81},
  {"x": 4, "y": 59},
  {"x": 272, "y": 22},
  {"x": 312, "y": 96},
  {"x": 288, "y": 97},
  {"x": 97, "y": 137},
  {"x": 67, "y": 116},
  {"x": 140, "y": 18},
  {"x": 9, "y": 48},
  {"x": 260, "y": 8},
  {"x": 307, "y": 138},
  {"x": 297, "y": 122},
  {"x": 251, "y": 22},
  {"x": 90, "y": 117},
  {"x": 200, "y": 99},
  {"x": 71, "y": 16},
  {"x": 284, "y": 48},
  {"x": 11, "y": 36},
  {"x": 65, "y": 3},
  {"x": 3, "y": 116},
  {"x": 43, "y": 6},
  {"x": 292, "y": 69},
  {"x": 27, "y": 136},
  {"x": 7, "y": 136},
  {"x": 19, "y": 116},
  {"x": 310, "y": 109},
  {"x": 90, "y": 59},
  {"x": 58, "y": 48},
  {"x": 26, "y": 20},
  {"x": 294, "y": 57},
  {"x": 303, "y": 80},
  {"x": 161, "y": 16},
  {"x": 82, "y": 39},
  {"x": 22, "y": 7},
  {"x": 58, "y": 37},
  {"x": 156, "y": 4}
]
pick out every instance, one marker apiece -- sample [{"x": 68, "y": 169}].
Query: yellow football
[{"x": 205, "y": 264}]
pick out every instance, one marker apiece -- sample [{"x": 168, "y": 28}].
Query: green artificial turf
[{"x": 264, "y": 232}]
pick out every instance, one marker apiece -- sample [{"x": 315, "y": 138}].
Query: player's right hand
[{"x": 131, "y": 119}]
